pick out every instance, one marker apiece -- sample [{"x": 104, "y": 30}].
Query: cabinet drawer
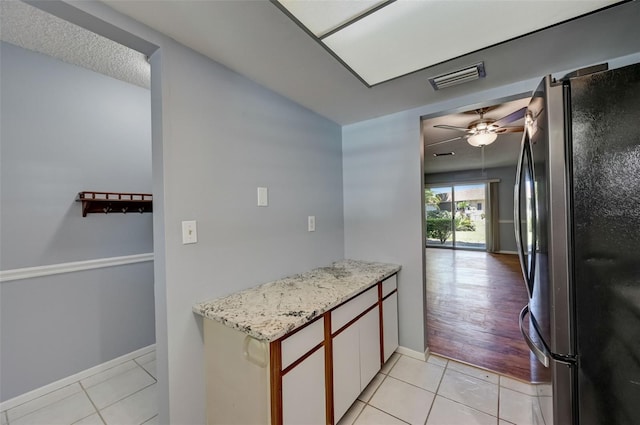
[
  {"x": 298, "y": 344},
  {"x": 349, "y": 311},
  {"x": 389, "y": 285}
]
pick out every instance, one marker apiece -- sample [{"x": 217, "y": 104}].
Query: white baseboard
[
  {"x": 412, "y": 353},
  {"x": 508, "y": 252},
  {"x": 33, "y": 394}
]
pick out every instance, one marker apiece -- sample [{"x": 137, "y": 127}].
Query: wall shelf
[{"x": 115, "y": 202}]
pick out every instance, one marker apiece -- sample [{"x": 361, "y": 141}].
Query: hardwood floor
[{"x": 473, "y": 302}]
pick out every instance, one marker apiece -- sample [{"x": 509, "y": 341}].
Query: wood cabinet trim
[
  {"x": 389, "y": 294},
  {"x": 381, "y": 319},
  {"x": 302, "y": 358},
  {"x": 298, "y": 329},
  {"x": 275, "y": 384},
  {"x": 328, "y": 369},
  {"x": 354, "y": 320}
]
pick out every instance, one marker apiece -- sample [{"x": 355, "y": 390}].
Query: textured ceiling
[{"x": 33, "y": 29}]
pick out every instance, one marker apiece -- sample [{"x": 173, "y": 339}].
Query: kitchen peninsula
[{"x": 302, "y": 348}]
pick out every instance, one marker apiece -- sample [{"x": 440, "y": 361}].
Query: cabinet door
[
  {"x": 346, "y": 370},
  {"x": 303, "y": 396},
  {"x": 390, "y": 325},
  {"x": 369, "y": 327}
]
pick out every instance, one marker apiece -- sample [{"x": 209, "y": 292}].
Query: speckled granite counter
[{"x": 270, "y": 311}]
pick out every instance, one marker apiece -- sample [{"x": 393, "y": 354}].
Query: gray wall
[
  {"x": 55, "y": 326},
  {"x": 507, "y": 176},
  {"x": 222, "y": 137},
  {"x": 65, "y": 129},
  {"x": 384, "y": 198},
  {"x": 382, "y": 208}
]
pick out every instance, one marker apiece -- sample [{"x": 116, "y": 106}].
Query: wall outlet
[
  {"x": 189, "y": 232},
  {"x": 311, "y": 223},
  {"x": 263, "y": 197}
]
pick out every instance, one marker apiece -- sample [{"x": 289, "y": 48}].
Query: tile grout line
[
  {"x": 143, "y": 368},
  {"x": 467, "y": 406},
  {"x": 127, "y": 396},
  {"x": 43, "y": 407},
  {"x": 366, "y": 403},
  {"x": 147, "y": 421},
  {"x": 435, "y": 395},
  {"x": 499, "y": 391},
  {"x": 386, "y": 413},
  {"x": 92, "y": 403},
  {"x": 386, "y": 375}
]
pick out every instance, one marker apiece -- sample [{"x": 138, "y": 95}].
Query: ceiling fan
[{"x": 484, "y": 131}]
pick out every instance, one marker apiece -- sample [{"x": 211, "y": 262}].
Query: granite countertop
[{"x": 271, "y": 310}]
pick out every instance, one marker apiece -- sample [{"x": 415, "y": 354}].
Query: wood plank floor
[{"x": 473, "y": 302}]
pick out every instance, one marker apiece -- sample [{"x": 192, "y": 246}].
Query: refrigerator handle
[
  {"x": 517, "y": 216},
  {"x": 541, "y": 353}
]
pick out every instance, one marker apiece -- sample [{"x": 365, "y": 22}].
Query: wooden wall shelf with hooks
[{"x": 115, "y": 202}]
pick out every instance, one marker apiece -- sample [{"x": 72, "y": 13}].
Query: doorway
[
  {"x": 475, "y": 288},
  {"x": 456, "y": 216}
]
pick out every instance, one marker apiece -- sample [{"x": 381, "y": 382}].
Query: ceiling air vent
[{"x": 461, "y": 76}]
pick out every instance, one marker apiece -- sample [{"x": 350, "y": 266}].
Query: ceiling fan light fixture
[{"x": 482, "y": 139}]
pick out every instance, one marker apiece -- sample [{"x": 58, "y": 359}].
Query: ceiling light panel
[
  {"x": 409, "y": 35},
  {"x": 323, "y": 16}
]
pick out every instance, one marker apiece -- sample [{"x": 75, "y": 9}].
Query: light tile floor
[
  {"x": 445, "y": 392},
  {"x": 406, "y": 391},
  {"x": 122, "y": 395}
]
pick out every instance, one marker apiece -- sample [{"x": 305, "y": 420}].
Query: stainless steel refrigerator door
[
  {"x": 550, "y": 304},
  {"x": 525, "y": 214},
  {"x": 605, "y": 111}
]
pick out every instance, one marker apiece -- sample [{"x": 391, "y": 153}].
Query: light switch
[
  {"x": 189, "y": 232},
  {"x": 263, "y": 197},
  {"x": 311, "y": 223}
]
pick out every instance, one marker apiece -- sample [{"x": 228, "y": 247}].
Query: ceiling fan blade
[
  {"x": 446, "y": 141},
  {"x": 451, "y": 127},
  {"x": 503, "y": 130},
  {"x": 514, "y": 116}
]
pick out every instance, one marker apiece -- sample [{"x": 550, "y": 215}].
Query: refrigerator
[{"x": 577, "y": 220}]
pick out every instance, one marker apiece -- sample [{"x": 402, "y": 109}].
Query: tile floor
[
  {"x": 445, "y": 392},
  {"x": 122, "y": 395},
  {"x": 406, "y": 391}
]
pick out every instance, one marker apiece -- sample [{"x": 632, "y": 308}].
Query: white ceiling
[
  {"x": 503, "y": 152},
  {"x": 31, "y": 28},
  {"x": 256, "y": 39},
  {"x": 380, "y": 41}
]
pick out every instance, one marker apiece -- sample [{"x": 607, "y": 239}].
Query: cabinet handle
[{"x": 261, "y": 362}]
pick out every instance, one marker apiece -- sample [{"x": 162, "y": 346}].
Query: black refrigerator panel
[{"x": 605, "y": 147}]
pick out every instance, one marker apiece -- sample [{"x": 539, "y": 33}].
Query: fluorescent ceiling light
[
  {"x": 408, "y": 35},
  {"x": 322, "y": 17}
]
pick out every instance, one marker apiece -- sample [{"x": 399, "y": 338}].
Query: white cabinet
[
  {"x": 298, "y": 378},
  {"x": 346, "y": 374},
  {"x": 348, "y": 311},
  {"x": 356, "y": 349},
  {"x": 390, "y": 325},
  {"x": 369, "y": 327},
  {"x": 301, "y": 342},
  {"x": 303, "y": 392}
]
